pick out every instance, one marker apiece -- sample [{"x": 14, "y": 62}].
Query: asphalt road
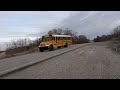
[
  {"x": 94, "y": 61},
  {"x": 18, "y": 62}
]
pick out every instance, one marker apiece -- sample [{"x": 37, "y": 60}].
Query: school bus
[{"x": 50, "y": 42}]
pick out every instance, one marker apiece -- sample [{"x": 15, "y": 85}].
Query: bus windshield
[{"x": 46, "y": 39}]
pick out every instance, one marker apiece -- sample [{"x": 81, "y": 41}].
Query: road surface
[
  {"x": 94, "y": 61},
  {"x": 15, "y": 63}
]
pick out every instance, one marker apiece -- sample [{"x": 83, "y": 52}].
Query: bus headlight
[{"x": 47, "y": 45}]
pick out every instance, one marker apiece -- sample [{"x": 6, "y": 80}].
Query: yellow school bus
[{"x": 50, "y": 42}]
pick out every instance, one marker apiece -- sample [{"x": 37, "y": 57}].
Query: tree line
[
  {"x": 22, "y": 45},
  {"x": 114, "y": 35},
  {"x": 77, "y": 39}
]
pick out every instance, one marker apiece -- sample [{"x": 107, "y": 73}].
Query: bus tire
[
  {"x": 41, "y": 50},
  {"x": 59, "y": 46},
  {"x": 66, "y": 45},
  {"x": 51, "y": 48}
]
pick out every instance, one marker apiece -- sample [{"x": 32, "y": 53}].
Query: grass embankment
[
  {"x": 115, "y": 46},
  {"x": 33, "y": 50}
]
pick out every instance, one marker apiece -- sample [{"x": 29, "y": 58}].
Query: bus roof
[{"x": 61, "y": 35}]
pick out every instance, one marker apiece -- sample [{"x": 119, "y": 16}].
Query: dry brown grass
[{"x": 33, "y": 50}]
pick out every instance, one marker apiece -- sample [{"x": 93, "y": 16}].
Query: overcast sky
[{"x": 33, "y": 24}]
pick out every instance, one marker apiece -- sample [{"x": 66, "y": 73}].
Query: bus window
[
  {"x": 60, "y": 38},
  {"x": 44, "y": 39},
  {"x": 53, "y": 38},
  {"x": 66, "y": 38},
  {"x": 57, "y": 38}
]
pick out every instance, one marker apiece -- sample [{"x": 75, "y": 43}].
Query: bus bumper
[{"x": 44, "y": 48}]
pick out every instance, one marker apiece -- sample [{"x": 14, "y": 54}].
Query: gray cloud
[{"x": 92, "y": 23}]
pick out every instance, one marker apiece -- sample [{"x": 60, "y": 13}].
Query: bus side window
[
  {"x": 66, "y": 38},
  {"x": 60, "y": 38},
  {"x": 57, "y": 38},
  {"x": 53, "y": 38}
]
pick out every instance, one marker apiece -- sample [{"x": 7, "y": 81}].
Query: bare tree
[
  {"x": 116, "y": 31},
  {"x": 60, "y": 31},
  {"x": 18, "y": 45},
  {"x": 56, "y": 31},
  {"x": 67, "y": 31}
]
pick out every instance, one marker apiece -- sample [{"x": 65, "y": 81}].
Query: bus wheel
[
  {"x": 51, "y": 48},
  {"x": 66, "y": 45},
  {"x": 59, "y": 46},
  {"x": 41, "y": 50}
]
